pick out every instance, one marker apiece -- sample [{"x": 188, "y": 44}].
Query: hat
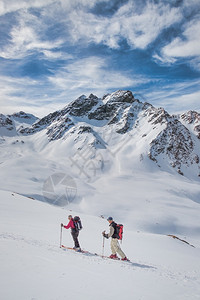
[
  {"x": 70, "y": 216},
  {"x": 109, "y": 219}
]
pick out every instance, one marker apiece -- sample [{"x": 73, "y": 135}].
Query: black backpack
[{"x": 77, "y": 223}]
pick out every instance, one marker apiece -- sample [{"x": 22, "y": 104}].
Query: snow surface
[
  {"x": 34, "y": 267},
  {"x": 151, "y": 201}
]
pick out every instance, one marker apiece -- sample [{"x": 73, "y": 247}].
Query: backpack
[
  {"x": 77, "y": 223},
  {"x": 119, "y": 231}
]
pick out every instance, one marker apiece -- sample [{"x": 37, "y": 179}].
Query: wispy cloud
[
  {"x": 12, "y": 5},
  {"x": 25, "y": 38},
  {"x": 138, "y": 29},
  {"x": 80, "y": 76},
  {"x": 94, "y": 74},
  {"x": 176, "y": 97},
  {"x": 52, "y": 51},
  {"x": 187, "y": 46}
]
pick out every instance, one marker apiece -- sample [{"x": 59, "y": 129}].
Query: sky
[{"x": 53, "y": 51}]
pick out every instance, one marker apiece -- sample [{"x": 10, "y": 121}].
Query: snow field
[{"x": 34, "y": 267}]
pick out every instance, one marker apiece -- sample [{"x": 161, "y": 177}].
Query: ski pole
[
  {"x": 103, "y": 246},
  {"x": 61, "y": 236}
]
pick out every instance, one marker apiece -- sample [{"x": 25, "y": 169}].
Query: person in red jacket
[{"x": 74, "y": 232}]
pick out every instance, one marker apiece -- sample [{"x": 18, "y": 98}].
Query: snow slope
[
  {"x": 34, "y": 267},
  {"x": 92, "y": 158}
]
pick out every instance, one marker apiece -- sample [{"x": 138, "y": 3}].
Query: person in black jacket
[{"x": 115, "y": 247}]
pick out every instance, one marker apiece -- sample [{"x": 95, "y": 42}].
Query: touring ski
[{"x": 92, "y": 254}]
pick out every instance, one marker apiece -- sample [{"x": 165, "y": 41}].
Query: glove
[
  {"x": 104, "y": 234},
  {"x": 62, "y": 225}
]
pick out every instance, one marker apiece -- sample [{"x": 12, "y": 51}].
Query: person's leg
[
  {"x": 75, "y": 238},
  {"x": 117, "y": 249},
  {"x": 113, "y": 249}
]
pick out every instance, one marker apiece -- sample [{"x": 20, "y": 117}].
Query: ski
[
  {"x": 70, "y": 248},
  {"x": 93, "y": 254}
]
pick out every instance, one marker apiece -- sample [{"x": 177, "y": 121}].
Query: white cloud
[
  {"x": 25, "y": 38},
  {"x": 183, "y": 103},
  {"x": 165, "y": 60},
  {"x": 187, "y": 46},
  {"x": 84, "y": 76},
  {"x": 139, "y": 29},
  {"x": 92, "y": 74},
  {"x": 177, "y": 97},
  {"x": 13, "y": 5},
  {"x": 7, "y": 6}
]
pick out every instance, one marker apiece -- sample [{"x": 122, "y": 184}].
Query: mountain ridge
[{"x": 173, "y": 139}]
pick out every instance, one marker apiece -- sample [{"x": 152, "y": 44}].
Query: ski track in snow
[{"x": 191, "y": 278}]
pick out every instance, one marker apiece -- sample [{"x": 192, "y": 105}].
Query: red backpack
[{"x": 119, "y": 229}]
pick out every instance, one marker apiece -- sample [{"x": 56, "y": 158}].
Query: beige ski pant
[{"x": 115, "y": 248}]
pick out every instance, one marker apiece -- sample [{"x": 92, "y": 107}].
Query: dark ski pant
[{"x": 75, "y": 238}]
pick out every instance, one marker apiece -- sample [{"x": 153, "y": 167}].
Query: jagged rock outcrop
[
  {"x": 174, "y": 142},
  {"x": 83, "y": 105},
  {"x": 7, "y": 126},
  {"x": 6, "y": 122},
  {"x": 22, "y": 115},
  {"x": 193, "y": 119}
]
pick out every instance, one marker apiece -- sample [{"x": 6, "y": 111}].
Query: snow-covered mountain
[
  {"x": 10, "y": 124},
  {"x": 172, "y": 142}
]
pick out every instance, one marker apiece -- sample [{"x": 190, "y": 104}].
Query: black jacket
[{"x": 115, "y": 234}]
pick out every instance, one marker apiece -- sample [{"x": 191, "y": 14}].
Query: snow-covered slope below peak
[{"x": 36, "y": 268}]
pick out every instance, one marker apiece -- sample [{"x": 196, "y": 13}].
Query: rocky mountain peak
[
  {"x": 5, "y": 121},
  {"x": 119, "y": 96},
  {"x": 192, "y": 118},
  {"x": 7, "y": 126}
]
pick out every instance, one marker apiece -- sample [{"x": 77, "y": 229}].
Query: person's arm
[
  {"x": 111, "y": 231},
  {"x": 69, "y": 225},
  {"x": 107, "y": 235}
]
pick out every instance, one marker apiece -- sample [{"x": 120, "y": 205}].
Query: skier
[
  {"x": 74, "y": 232},
  {"x": 115, "y": 247}
]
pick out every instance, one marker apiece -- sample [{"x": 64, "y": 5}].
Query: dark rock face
[
  {"x": 158, "y": 116},
  {"x": 78, "y": 108},
  {"x": 113, "y": 109},
  {"x": 174, "y": 142},
  {"x": 193, "y": 118},
  {"x": 58, "y": 129},
  {"x": 81, "y": 106},
  {"x": 41, "y": 124},
  {"x": 21, "y": 115},
  {"x": 6, "y": 122},
  {"x": 103, "y": 112},
  {"x": 120, "y": 96}
]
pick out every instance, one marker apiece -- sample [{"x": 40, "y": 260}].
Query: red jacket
[{"x": 70, "y": 224}]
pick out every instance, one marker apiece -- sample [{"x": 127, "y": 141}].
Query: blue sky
[{"x": 53, "y": 51}]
